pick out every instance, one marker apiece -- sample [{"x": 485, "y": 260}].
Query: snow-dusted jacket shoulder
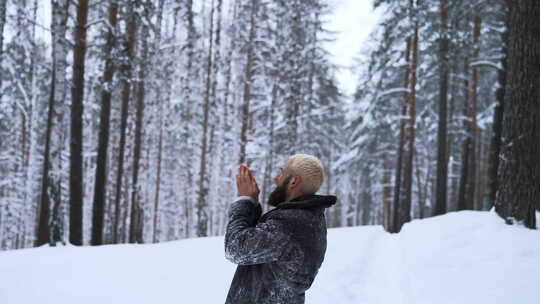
[{"x": 278, "y": 253}]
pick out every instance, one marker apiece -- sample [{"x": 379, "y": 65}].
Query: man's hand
[{"x": 246, "y": 184}]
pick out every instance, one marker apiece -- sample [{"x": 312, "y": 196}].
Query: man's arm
[{"x": 248, "y": 242}]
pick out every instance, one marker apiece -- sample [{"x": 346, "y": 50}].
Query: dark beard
[{"x": 279, "y": 195}]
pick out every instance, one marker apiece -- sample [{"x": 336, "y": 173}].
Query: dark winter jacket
[{"x": 279, "y": 254}]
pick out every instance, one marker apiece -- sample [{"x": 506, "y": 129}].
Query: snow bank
[{"x": 463, "y": 257}]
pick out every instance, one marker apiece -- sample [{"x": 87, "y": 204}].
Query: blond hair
[{"x": 310, "y": 170}]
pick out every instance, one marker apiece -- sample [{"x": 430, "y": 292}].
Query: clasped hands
[{"x": 246, "y": 184}]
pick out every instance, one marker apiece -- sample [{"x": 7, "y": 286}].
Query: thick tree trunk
[
  {"x": 131, "y": 30},
  {"x": 98, "y": 212},
  {"x": 519, "y": 172},
  {"x": 76, "y": 142},
  {"x": 442, "y": 150}
]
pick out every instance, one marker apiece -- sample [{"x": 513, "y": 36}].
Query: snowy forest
[{"x": 124, "y": 121}]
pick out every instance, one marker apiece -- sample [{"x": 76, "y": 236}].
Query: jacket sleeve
[{"x": 248, "y": 242}]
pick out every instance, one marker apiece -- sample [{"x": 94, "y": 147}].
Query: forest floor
[{"x": 461, "y": 257}]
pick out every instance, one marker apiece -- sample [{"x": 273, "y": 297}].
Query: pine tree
[
  {"x": 104, "y": 122},
  {"x": 519, "y": 172},
  {"x": 442, "y": 158},
  {"x": 126, "y": 70},
  {"x": 76, "y": 141}
]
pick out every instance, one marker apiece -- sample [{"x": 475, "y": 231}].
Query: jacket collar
[{"x": 309, "y": 201}]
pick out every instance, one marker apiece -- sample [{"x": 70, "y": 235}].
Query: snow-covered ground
[{"x": 464, "y": 257}]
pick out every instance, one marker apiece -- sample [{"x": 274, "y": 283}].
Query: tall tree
[
  {"x": 495, "y": 144},
  {"x": 188, "y": 89},
  {"x": 156, "y": 230},
  {"x": 519, "y": 174},
  {"x": 98, "y": 212},
  {"x": 468, "y": 181},
  {"x": 399, "y": 165},
  {"x": 409, "y": 130},
  {"x": 202, "y": 216},
  {"x": 136, "y": 225},
  {"x": 126, "y": 69},
  {"x": 2, "y": 24},
  {"x": 248, "y": 82},
  {"x": 49, "y": 182},
  {"x": 442, "y": 159},
  {"x": 76, "y": 141}
]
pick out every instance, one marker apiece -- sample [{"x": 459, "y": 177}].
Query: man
[{"x": 279, "y": 253}]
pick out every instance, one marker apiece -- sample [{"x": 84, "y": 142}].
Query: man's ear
[{"x": 295, "y": 182}]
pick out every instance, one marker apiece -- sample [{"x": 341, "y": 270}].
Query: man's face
[{"x": 279, "y": 195}]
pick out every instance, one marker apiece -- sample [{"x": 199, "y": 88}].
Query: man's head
[{"x": 302, "y": 174}]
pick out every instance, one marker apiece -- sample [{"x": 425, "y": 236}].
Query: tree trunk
[
  {"x": 76, "y": 142},
  {"x": 202, "y": 216},
  {"x": 461, "y": 204},
  {"x": 155, "y": 231},
  {"x": 131, "y": 30},
  {"x": 58, "y": 31},
  {"x": 467, "y": 185},
  {"x": 366, "y": 197},
  {"x": 187, "y": 165},
  {"x": 442, "y": 150},
  {"x": 519, "y": 173},
  {"x": 471, "y": 188},
  {"x": 409, "y": 131},
  {"x": 495, "y": 144},
  {"x": 397, "y": 188},
  {"x": 100, "y": 189},
  {"x": 136, "y": 225},
  {"x": 2, "y": 24},
  {"x": 43, "y": 230},
  {"x": 248, "y": 79},
  {"x": 387, "y": 194}
]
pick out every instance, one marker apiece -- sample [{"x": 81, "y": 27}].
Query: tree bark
[
  {"x": 471, "y": 189},
  {"x": 495, "y": 144},
  {"x": 2, "y": 24},
  {"x": 248, "y": 79},
  {"x": 519, "y": 173},
  {"x": 58, "y": 31},
  {"x": 100, "y": 189},
  {"x": 399, "y": 166},
  {"x": 76, "y": 141},
  {"x": 136, "y": 225},
  {"x": 131, "y": 30},
  {"x": 409, "y": 131},
  {"x": 467, "y": 187},
  {"x": 202, "y": 215},
  {"x": 387, "y": 193},
  {"x": 155, "y": 231},
  {"x": 442, "y": 140},
  {"x": 43, "y": 230}
]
